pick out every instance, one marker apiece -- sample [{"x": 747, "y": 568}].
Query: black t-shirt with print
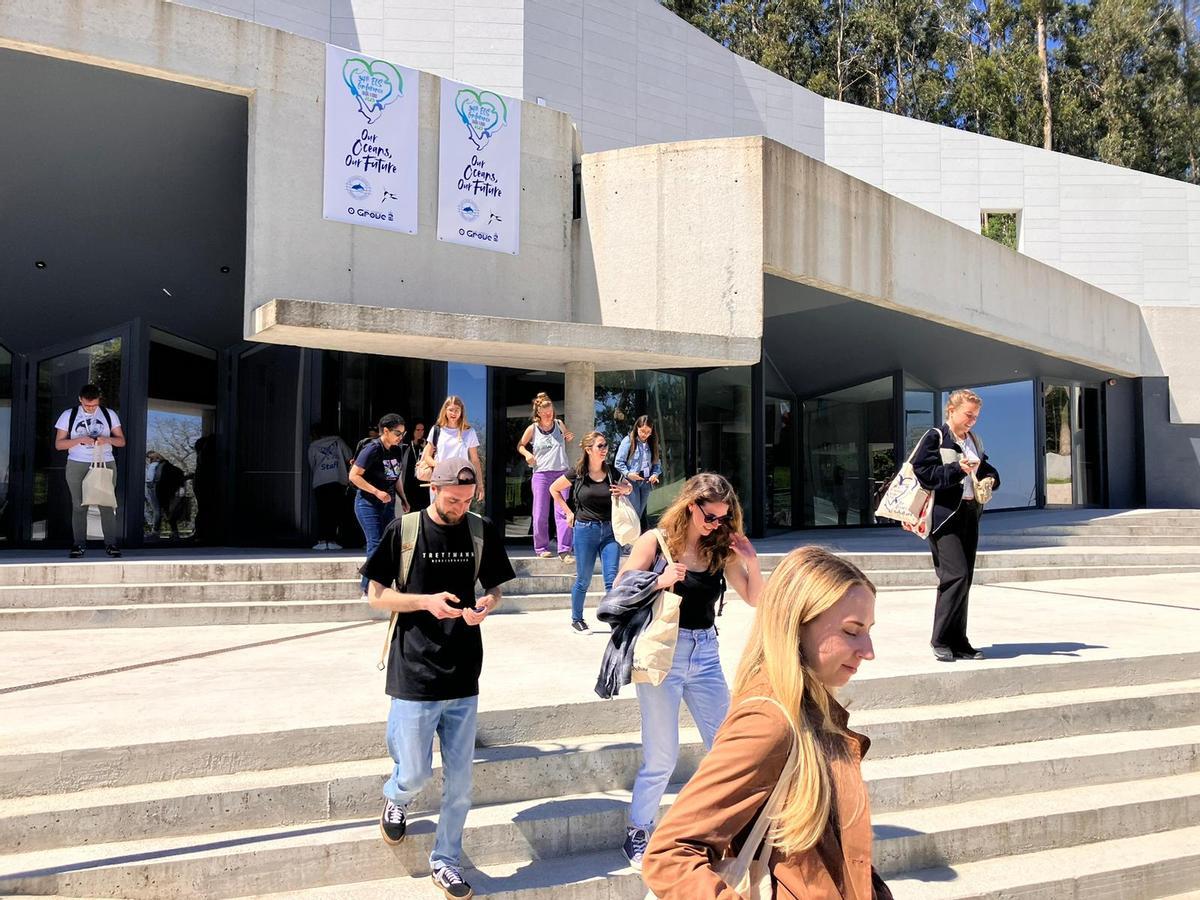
[
  {"x": 382, "y": 467},
  {"x": 432, "y": 658},
  {"x": 592, "y": 500}
]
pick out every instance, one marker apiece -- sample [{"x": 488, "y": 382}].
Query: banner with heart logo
[
  {"x": 370, "y": 141},
  {"x": 479, "y": 169}
]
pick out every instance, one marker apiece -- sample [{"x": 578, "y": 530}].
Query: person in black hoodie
[{"x": 950, "y": 462}]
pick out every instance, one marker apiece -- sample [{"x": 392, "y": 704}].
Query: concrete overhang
[{"x": 491, "y": 340}]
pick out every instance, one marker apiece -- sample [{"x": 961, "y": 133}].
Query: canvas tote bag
[
  {"x": 906, "y": 502},
  {"x": 749, "y": 873},
  {"x": 655, "y": 648},
  {"x": 98, "y": 486},
  {"x": 626, "y": 525}
]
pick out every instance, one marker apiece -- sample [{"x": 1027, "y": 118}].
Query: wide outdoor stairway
[
  {"x": 1069, "y": 779},
  {"x": 146, "y": 590}
]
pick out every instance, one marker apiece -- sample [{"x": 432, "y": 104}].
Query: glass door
[
  {"x": 1074, "y": 466},
  {"x": 1058, "y": 477},
  {"x": 517, "y": 390},
  {"x": 780, "y": 454},
  {"x": 60, "y": 373},
  {"x": 6, "y": 410}
]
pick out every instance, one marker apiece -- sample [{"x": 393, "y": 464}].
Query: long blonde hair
[
  {"x": 807, "y": 582},
  {"x": 453, "y": 400},
  {"x": 716, "y": 549}
]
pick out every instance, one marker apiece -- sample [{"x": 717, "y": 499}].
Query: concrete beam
[{"x": 492, "y": 340}]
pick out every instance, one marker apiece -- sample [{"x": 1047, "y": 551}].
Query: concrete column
[{"x": 580, "y": 397}]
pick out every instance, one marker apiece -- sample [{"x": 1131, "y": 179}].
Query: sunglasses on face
[
  {"x": 397, "y": 433},
  {"x": 599, "y": 446},
  {"x": 709, "y": 518}
]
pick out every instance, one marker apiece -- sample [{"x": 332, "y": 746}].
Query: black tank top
[{"x": 700, "y": 592}]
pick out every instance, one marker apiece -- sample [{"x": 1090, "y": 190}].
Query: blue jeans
[
  {"x": 640, "y": 496},
  {"x": 696, "y": 679},
  {"x": 593, "y": 539},
  {"x": 411, "y": 727},
  {"x": 373, "y": 516}
]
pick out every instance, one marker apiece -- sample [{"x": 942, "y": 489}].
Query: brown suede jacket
[{"x": 714, "y": 812}]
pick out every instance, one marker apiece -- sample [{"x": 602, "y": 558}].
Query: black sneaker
[
  {"x": 450, "y": 880},
  {"x": 943, "y": 654},
  {"x": 580, "y": 627},
  {"x": 77, "y": 552},
  {"x": 968, "y": 652},
  {"x": 113, "y": 551},
  {"x": 634, "y": 847},
  {"x": 392, "y": 823}
]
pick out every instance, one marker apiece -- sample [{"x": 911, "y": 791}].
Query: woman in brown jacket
[{"x": 811, "y": 633}]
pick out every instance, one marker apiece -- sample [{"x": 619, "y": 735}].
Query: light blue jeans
[
  {"x": 411, "y": 727},
  {"x": 696, "y": 679},
  {"x": 593, "y": 539},
  {"x": 641, "y": 496}
]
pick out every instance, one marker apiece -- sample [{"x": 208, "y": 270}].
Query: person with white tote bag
[{"x": 88, "y": 434}]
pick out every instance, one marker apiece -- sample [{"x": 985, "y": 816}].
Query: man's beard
[{"x": 448, "y": 517}]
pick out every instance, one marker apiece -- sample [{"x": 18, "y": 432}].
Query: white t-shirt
[
  {"x": 94, "y": 425},
  {"x": 327, "y": 458},
  {"x": 451, "y": 444},
  {"x": 970, "y": 454}
]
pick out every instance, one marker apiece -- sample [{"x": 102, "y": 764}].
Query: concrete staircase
[
  {"x": 246, "y": 591},
  {"x": 1075, "y": 779}
]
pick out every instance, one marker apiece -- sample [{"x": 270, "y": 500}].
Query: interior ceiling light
[
  {"x": 165, "y": 291},
  {"x": 224, "y": 270},
  {"x": 39, "y": 264}
]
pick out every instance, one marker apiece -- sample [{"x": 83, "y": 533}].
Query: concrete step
[
  {"x": 345, "y": 790},
  {"x": 1135, "y": 868},
  {"x": 241, "y": 862},
  {"x": 1010, "y": 826},
  {"x": 901, "y": 713},
  {"x": 1023, "y": 541}
]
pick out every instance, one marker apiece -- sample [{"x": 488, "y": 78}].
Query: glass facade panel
[
  {"x": 780, "y": 458},
  {"x": 1059, "y": 477},
  {"x": 920, "y": 411},
  {"x": 1006, "y": 427},
  {"x": 621, "y": 397},
  {"x": 723, "y": 426},
  {"x": 59, "y": 379},
  {"x": 469, "y": 381},
  {"x": 181, "y": 414},
  {"x": 847, "y": 452},
  {"x": 6, "y": 407}
]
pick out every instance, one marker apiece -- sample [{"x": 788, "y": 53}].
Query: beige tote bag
[
  {"x": 98, "y": 486},
  {"x": 655, "y": 648}
]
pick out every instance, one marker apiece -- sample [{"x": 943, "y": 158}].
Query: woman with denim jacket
[
  {"x": 638, "y": 460},
  {"x": 703, "y": 531}
]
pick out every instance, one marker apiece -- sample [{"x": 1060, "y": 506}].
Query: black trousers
[
  {"x": 953, "y": 549},
  {"x": 329, "y": 500}
]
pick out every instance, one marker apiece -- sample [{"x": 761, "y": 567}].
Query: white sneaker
[
  {"x": 320, "y": 545},
  {"x": 333, "y": 545}
]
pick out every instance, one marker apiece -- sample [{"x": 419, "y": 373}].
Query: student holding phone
[
  {"x": 950, "y": 462},
  {"x": 591, "y": 485}
]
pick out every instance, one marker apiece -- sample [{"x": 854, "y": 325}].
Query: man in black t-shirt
[{"x": 435, "y": 656}]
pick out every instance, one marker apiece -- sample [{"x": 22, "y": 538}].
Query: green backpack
[{"x": 410, "y": 527}]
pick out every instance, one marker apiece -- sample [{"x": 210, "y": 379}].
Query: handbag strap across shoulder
[
  {"x": 755, "y": 845},
  {"x": 662, "y": 546}
]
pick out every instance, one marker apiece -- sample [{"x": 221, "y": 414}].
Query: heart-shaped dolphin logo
[
  {"x": 483, "y": 112},
  {"x": 373, "y": 84}
]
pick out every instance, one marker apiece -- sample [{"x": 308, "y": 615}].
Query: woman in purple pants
[{"x": 548, "y": 436}]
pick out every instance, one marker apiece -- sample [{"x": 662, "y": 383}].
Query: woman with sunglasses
[
  {"x": 703, "y": 531},
  {"x": 591, "y": 487}
]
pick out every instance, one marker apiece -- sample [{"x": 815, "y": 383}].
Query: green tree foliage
[{"x": 1113, "y": 80}]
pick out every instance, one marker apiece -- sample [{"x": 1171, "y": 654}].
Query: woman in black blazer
[{"x": 944, "y": 462}]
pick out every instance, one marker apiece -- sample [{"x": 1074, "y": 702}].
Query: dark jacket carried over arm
[
  {"x": 627, "y": 607},
  {"x": 945, "y": 478}
]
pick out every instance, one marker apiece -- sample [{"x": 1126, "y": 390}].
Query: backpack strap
[
  {"x": 410, "y": 530},
  {"x": 433, "y": 436},
  {"x": 74, "y": 416}
]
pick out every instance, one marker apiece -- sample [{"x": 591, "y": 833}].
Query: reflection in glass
[
  {"x": 780, "y": 448},
  {"x": 58, "y": 382},
  {"x": 181, "y": 412},
  {"x": 271, "y": 444},
  {"x": 1059, "y": 485},
  {"x": 469, "y": 381},
  {"x": 1006, "y": 427},
  {"x": 920, "y": 412},
  {"x": 723, "y": 405},
  {"x": 848, "y": 452},
  {"x": 621, "y": 397},
  {"x": 6, "y": 402}
]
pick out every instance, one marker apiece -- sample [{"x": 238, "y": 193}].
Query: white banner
[
  {"x": 370, "y": 141},
  {"x": 479, "y": 169}
]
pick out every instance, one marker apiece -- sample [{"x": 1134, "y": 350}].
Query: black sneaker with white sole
[
  {"x": 580, "y": 627},
  {"x": 634, "y": 847},
  {"x": 450, "y": 880},
  {"x": 392, "y": 823},
  {"x": 77, "y": 552}
]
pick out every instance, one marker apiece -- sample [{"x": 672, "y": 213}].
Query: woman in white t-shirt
[
  {"x": 450, "y": 437},
  {"x": 83, "y": 432}
]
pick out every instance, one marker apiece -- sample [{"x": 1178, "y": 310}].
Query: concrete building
[{"x": 784, "y": 283}]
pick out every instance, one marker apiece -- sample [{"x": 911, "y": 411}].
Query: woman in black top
[
  {"x": 591, "y": 487},
  {"x": 703, "y": 531}
]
